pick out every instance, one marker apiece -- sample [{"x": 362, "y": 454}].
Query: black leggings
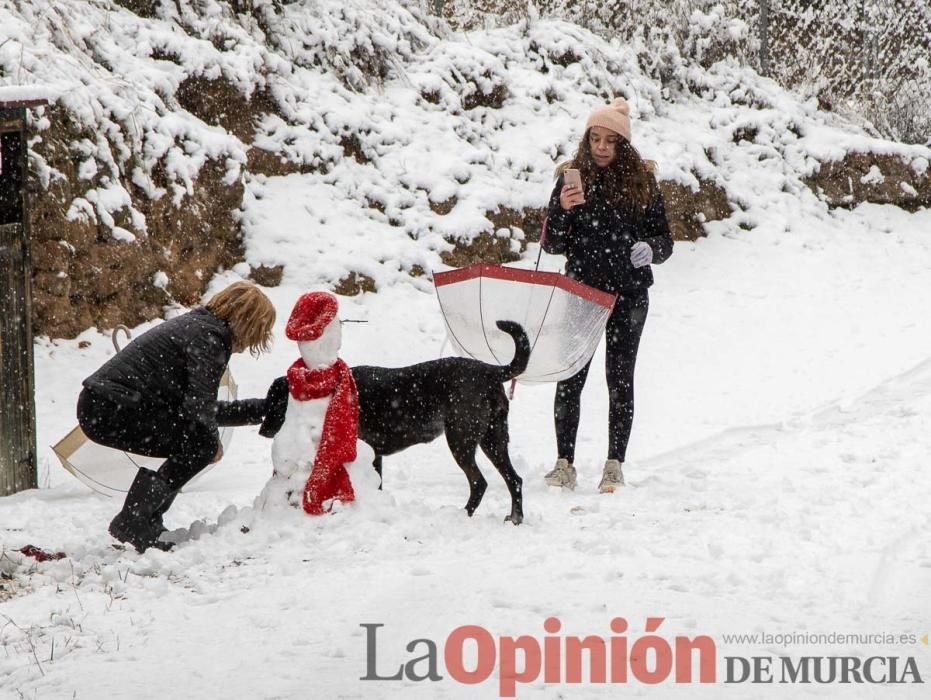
[
  {"x": 150, "y": 430},
  {"x": 625, "y": 326}
]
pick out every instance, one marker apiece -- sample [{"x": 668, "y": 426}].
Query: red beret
[{"x": 311, "y": 314}]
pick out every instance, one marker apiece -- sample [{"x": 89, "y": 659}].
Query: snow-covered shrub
[
  {"x": 360, "y": 42},
  {"x": 458, "y": 77}
]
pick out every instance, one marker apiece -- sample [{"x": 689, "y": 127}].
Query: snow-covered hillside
[
  {"x": 409, "y": 137},
  {"x": 776, "y": 476}
]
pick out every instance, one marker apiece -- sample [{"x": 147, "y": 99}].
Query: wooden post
[{"x": 17, "y": 384}]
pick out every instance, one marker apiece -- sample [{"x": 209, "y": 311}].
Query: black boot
[
  {"x": 162, "y": 509},
  {"x": 136, "y": 523}
]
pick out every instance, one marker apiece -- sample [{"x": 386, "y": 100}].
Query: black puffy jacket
[
  {"x": 176, "y": 365},
  {"x": 596, "y": 239}
]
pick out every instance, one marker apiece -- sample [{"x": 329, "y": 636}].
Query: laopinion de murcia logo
[{"x": 471, "y": 654}]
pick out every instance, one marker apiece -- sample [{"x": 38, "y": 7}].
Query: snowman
[{"x": 318, "y": 439}]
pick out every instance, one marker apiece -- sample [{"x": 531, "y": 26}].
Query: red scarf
[{"x": 329, "y": 478}]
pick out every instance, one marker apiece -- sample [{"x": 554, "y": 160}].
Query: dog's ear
[{"x": 276, "y": 406}]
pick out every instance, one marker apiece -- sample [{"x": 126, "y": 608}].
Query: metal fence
[{"x": 868, "y": 59}]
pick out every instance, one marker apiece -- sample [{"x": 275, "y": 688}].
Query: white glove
[{"x": 641, "y": 254}]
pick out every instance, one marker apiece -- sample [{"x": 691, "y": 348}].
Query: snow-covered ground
[
  {"x": 777, "y": 478},
  {"x": 776, "y": 483}
]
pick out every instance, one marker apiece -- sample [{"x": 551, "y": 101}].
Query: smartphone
[{"x": 571, "y": 176}]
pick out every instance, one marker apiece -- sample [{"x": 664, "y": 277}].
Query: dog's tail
[{"x": 521, "y": 350}]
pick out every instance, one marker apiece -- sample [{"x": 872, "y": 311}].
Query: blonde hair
[{"x": 249, "y": 315}]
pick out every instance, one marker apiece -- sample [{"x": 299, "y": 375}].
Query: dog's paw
[{"x": 515, "y": 519}]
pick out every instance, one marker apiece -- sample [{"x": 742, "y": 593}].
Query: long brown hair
[
  {"x": 627, "y": 182},
  {"x": 249, "y": 315}
]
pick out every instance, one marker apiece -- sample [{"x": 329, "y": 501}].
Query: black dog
[{"x": 464, "y": 398}]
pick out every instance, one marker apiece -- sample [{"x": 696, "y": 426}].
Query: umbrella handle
[
  {"x": 116, "y": 330},
  {"x": 546, "y": 221},
  {"x": 511, "y": 390},
  {"x": 536, "y": 267}
]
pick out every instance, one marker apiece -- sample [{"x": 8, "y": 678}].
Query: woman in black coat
[
  {"x": 611, "y": 229},
  {"x": 158, "y": 397}
]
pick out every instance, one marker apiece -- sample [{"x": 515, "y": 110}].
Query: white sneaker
[
  {"x": 563, "y": 475},
  {"x": 611, "y": 477}
]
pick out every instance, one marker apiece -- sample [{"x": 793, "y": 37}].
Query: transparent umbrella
[{"x": 564, "y": 319}]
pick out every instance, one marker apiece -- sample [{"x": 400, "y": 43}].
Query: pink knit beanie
[{"x": 615, "y": 116}]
